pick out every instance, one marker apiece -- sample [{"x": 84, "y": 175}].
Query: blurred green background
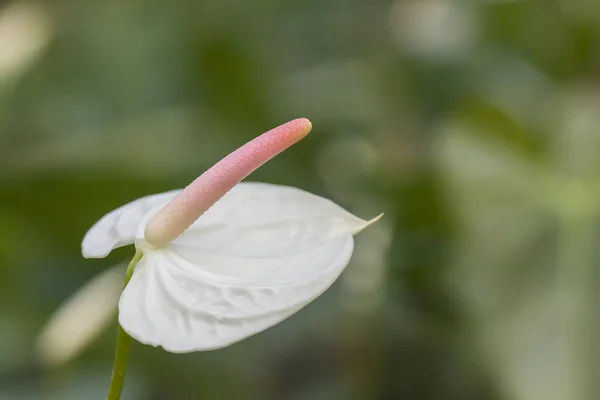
[{"x": 474, "y": 125}]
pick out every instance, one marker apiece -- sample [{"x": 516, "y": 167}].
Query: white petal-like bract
[
  {"x": 256, "y": 257},
  {"x": 120, "y": 227},
  {"x": 183, "y": 307}
]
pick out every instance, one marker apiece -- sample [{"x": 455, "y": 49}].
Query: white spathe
[{"x": 256, "y": 257}]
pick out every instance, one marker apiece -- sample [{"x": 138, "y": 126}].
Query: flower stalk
[{"x": 123, "y": 342}]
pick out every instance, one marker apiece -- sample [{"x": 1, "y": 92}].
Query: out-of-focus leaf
[
  {"x": 81, "y": 319},
  {"x": 25, "y": 30},
  {"x": 532, "y": 317}
]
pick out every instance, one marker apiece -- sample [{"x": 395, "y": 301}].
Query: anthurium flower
[{"x": 223, "y": 260}]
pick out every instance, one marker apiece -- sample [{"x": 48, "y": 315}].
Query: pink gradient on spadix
[{"x": 209, "y": 187}]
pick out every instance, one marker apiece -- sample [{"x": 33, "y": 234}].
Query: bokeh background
[{"x": 474, "y": 125}]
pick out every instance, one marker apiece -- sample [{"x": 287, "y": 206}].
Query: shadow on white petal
[{"x": 81, "y": 318}]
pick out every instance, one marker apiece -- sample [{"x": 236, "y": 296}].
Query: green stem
[
  {"x": 576, "y": 271},
  {"x": 122, "y": 348}
]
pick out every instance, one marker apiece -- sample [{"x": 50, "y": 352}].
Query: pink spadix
[{"x": 209, "y": 187}]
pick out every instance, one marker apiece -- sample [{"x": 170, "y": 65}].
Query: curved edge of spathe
[{"x": 367, "y": 224}]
